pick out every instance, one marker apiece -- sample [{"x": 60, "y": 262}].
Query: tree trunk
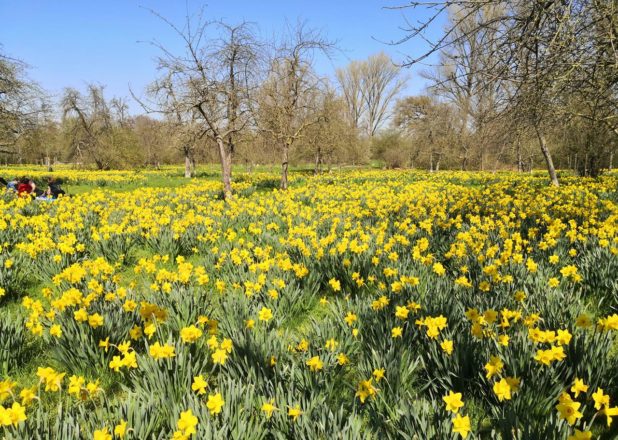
[
  {"x": 481, "y": 159},
  {"x": 611, "y": 160},
  {"x": 187, "y": 165},
  {"x": 547, "y": 155},
  {"x": 225, "y": 155},
  {"x": 431, "y": 162},
  {"x": 284, "y": 166},
  {"x": 520, "y": 164},
  {"x": 48, "y": 164},
  {"x": 318, "y": 161}
]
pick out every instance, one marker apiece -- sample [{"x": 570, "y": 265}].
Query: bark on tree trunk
[
  {"x": 547, "y": 155},
  {"x": 48, "y": 164},
  {"x": 225, "y": 155},
  {"x": 611, "y": 160},
  {"x": 318, "y": 161},
  {"x": 520, "y": 164},
  {"x": 284, "y": 166},
  {"x": 187, "y": 165}
]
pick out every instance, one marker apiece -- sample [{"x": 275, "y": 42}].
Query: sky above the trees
[{"x": 74, "y": 42}]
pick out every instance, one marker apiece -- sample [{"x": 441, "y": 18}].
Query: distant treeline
[{"x": 517, "y": 85}]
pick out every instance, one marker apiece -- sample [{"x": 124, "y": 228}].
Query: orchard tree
[
  {"x": 209, "y": 84},
  {"x": 181, "y": 122},
  {"x": 289, "y": 97}
]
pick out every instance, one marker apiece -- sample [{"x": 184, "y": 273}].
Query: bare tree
[
  {"x": 288, "y": 98},
  {"x": 381, "y": 82},
  {"x": 539, "y": 51},
  {"x": 332, "y": 136},
  {"x": 211, "y": 82},
  {"x": 91, "y": 122},
  {"x": 21, "y": 103},
  {"x": 350, "y": 82},
  {"x": 156, "y": 139},
  {"x": 430, "y": 125},
  {"x": 42, "y": 141},
  {"x": 461, "y": 78},
  {"x": 99, "y": 130},
  {"x": 180, "y": 119}
]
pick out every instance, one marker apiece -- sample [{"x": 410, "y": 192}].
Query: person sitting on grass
[
  {"x": 53, "y": 190},
  {"x": 25, "y": 186},
  {"x": 11, "y": 185}
]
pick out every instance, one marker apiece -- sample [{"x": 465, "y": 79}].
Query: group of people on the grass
[{"x": 25, "y": 186}]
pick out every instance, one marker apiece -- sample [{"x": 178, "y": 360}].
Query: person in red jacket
[{"x": 26, "y": 186}]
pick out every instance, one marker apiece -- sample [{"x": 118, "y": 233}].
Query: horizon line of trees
[{"x": 516, "y": 85}]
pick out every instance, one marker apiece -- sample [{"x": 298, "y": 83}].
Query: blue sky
[{"x": 71, "y": 42}]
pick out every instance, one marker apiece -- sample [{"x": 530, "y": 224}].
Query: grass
[{"x": 151, "y": 182}]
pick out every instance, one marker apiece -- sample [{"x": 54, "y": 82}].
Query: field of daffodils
[{"x": 355, "y": 305}]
